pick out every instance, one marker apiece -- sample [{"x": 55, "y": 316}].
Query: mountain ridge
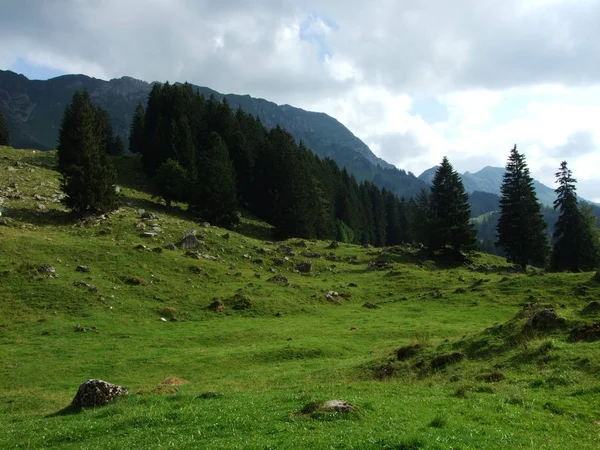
[{"x": 33, "y": 109}]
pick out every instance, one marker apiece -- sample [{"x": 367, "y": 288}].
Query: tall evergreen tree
[
  {"x": 171, "y": 182},
  {"x": 575, "y": 247},
  {"x": 4, "y": 134},
  {"x": 136, "y": 130},
  {"x": 214, "y": 196},
  {"x": 118, "y": 146},
  {"x": 450, "y": 213},
  {"x": 521, "y": 226},
  {"x": 88, "y": 177}
]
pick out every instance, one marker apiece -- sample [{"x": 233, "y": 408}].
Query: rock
[
  {"x": 190, "y": 240},
  {"x": 141, "y": 247},
  {"x": 46, "y": 269},
  {"x": 157, "y": 249},
  {"x": 205, "y": 225},
  {"x": 589, "y": 333},
  {"x": 331, "y": 406},
  {"x": 286, "y": 250},
  {"x": 279, "y": 261},
  {"x": 333, "y": 245},
  {"x": 278, "y": 279},
  {"x": 163, "y": 319},
  {"x": 149, "y": 215},
  {"x": 171, "y": 246},
  {"x": 352, "y": 285},
  {"x": 156, "y": 229},
  {"x": 79, "y": 329},
  {"x": 84, "y": 284},
  {"x": 149, "y": 234},
  {"x": 84, "y": 269},
  {"x": 95, "y": 393},
  {"x": 545, "y": 319},
  {"x": 304, "y": 267},
  {"x": 226, "y": 236},
  {"x": 371, "y": 305},
  {"x": 140, "y": 226},
  {"x": 378, "y": 265}
]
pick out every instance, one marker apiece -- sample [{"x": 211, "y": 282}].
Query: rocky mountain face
[{"x": 34, "y": 108}]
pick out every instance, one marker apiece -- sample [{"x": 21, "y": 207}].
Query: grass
[{"x": 240, "y": 378}]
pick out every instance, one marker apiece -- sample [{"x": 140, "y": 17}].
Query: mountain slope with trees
[{"x": 33, "y": 109}]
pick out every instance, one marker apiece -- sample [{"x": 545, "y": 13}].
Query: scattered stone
[
  {"x": 304, "y": 267},
  {"x": 311, "y": 255},
  {"x": 79, "y": 329},
  {"x": 205, "y": 225},
  {"x": 95, "y": 393},
  {"x": 371, "y": 305},
  {"x": 84, "y": 284},
  {"x": 331, "y": 406},
  {"x": 157, "y": 249},
  {"x": 286, "y": 250},
  {"x": 141, "y": 247},
  {"x": 171, "y": 246},
  {"x": 333, "y": 245},
  {"x": 149, "y": 234},
  {"x": 278, "y": 279},
  {"x": 156, "y": 229},
  {"x": 163, "y": 319},
  {"x": 378, "y": 265},
  {"x": 46, "y": 269},
  {"x": 140, "y": 226},
  {"x": 545, "y": 319},
  {"x": 588, "y": 333},
  {"x": 84, "y": 269},
  {"x": 190, "y": 240},
  {"x": 408, "y": 351},
  {"x": 279, "y": 261},
  {"x": 149, "y": 215},
  {"x": 445, "y": 360}
]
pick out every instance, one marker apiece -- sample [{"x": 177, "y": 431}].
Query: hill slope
[
  {"x": 216, "y": 356},
  {"x": 34, "y": 108}
]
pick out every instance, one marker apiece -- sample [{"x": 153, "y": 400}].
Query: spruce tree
[
  {"x": 4, "y": 134},
  {"x": 521, "y": 226},
  {"x": 575, "y": 247},
  {"x": 450, "y": 213},
  {"x": 214, "y": 196},
  {"x": 136, "y": 130},
  {"x": 118, "y": 146},
  {"x": 88, "y": 177}
]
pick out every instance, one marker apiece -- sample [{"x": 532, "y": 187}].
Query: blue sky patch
[{"x": 33, "y": 71}]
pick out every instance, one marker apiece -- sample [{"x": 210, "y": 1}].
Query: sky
[{"x": 416, "y": 80}]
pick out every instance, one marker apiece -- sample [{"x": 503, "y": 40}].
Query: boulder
[
  {"x": 190, "y": 240},
  {"x": 331, "y": 406},
  {"x": 171, "y": 246},
  {"x": 304, "y": 267},
  {"x": 95, "y": 393}
]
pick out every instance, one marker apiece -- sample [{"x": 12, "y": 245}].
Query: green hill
[{"x": 216, "y": 356}]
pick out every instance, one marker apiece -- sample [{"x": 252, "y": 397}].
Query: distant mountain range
[
  {"x": 34, "y": 108},
  {"x": 489, "y": 179}
]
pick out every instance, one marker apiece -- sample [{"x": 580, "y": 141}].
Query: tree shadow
[{"x": 52, "y": 217}]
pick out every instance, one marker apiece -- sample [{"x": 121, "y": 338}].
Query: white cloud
[{"x": 517, "y": 71}]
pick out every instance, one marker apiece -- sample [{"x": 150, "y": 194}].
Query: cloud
[{"x": 415, "y": 79}]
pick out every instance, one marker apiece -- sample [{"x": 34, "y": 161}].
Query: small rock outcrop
[
  {"x": 84, "y": 269},
  {"x": 330, "y": 406},
  {"x": 544, "y": 319},
  {"x": 96, "y": 392},
  {"x": 278, "y": 279},
  {"x": 189, "y": 240}
]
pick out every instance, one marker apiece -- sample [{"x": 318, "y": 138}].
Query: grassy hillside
[{"x": 471, "y": 373}]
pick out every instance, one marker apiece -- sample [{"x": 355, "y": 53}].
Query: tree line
[{"x": 218, "y": 161}]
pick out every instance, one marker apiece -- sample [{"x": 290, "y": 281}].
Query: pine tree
[
  {"x": 575, "y": 247},
  {"x": 118, "y": 146},
  {"x": 171, "y": 182},
  {"x": 88, "y": 177},
  {"x": 521, "y": 226},
  {"x": 4, "y": 134},
  {"x": 450, "y": 213},
  {"x": 214, "y": 194},
  {"x": 107, "y": 140},
  {"x": 136, "y": 130}
]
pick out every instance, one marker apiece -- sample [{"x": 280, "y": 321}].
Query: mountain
[
  {"x": 34, "y": 108},
  {"x": 489, "y": 179}
]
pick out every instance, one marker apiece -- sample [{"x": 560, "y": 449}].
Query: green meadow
[{"x": 216, "y": 356}]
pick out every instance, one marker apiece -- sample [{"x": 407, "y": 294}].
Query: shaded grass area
[{"x": 468, "y": 375}]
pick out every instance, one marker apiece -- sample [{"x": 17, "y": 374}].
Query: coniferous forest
[{"x": 221, "y": 163}]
